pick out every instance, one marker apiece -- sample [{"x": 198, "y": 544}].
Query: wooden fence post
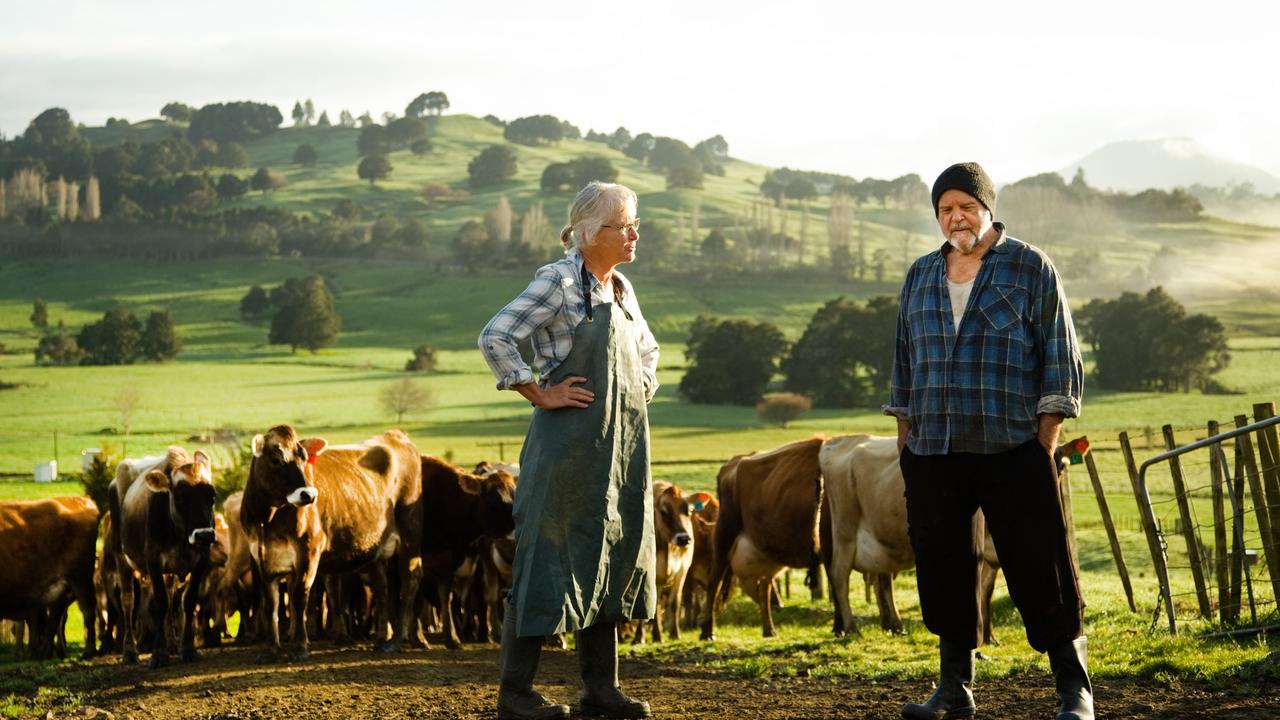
[
  {"x": 1149, "y": 529},
  {"x": 1111, "y": 528},
  {"x": 1188, "y": 527},
  {"x": 1265, "y": 529},
  {"x": 1269, "y": 459},
  {"x": 1220, "y": 545},
  {"x": 1237, "y": 529},
  {"x": 1068, "y": 514}
]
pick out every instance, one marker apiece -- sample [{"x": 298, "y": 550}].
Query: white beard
[{"x": 971, "y": 238}]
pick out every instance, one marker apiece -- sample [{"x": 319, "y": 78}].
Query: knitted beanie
[{"x": 969, "y": 178}]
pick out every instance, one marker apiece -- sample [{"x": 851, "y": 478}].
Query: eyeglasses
[{"x": 633, "y": 225}]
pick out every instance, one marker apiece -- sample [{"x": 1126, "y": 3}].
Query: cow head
[
  {"x": 671, "y": 516},
  {"x": 191, "y": 498},
  {"x": 497, "y": 491},
  {"x": 279, "y": 467}
]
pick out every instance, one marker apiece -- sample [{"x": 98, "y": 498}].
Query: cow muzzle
[
  {"x": 302, "y": 496},
  {"x": 201, "y": 536},
  {"x": 682, "y": 539}
]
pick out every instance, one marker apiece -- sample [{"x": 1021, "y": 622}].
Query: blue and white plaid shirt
[
  {"x": 982, "y": 388},
  {"x": 548, "y": 312}
]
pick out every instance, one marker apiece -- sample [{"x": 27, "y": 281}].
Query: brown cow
[
  {"x": 459, "y": 508},
  {"x": 309, "y": 508},
  {"x": 705, "y": 511},
  {"x": 768, "y": 521},
  {"x": 673, "y": 535},
  {"x": 165, "y": 527},
  {"x": 49, "y": 545},
  {"x": 237, "y": 589},
  {"x": 106, "y": 585}
]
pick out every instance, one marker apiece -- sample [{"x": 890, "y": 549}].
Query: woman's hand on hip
[{"x": 561, "y": 395}]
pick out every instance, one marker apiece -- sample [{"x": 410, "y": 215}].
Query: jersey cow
[
  {"x": 162, "y": 511},
  {"x": 769, "y": 506},
  {"x": 868, "y": 513},
  {"x": 49, "y": 547},
  {"x": 309, "y": 508},
  {"x": 673, "y": 535}
]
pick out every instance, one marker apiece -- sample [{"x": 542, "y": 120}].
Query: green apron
[{"x": 583, "y": 506}]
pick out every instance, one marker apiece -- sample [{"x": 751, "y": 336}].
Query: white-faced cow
[
  {"x": 309, "y": 508},
  {"x": 165, "y": 525},
  {"x": 769, "y": 506},
  {"x": 48, "y": 547},
  {"x": 868, "y": 513}
]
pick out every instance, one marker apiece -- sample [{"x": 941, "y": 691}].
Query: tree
[
  {"x": 421, "y": 146},
  {"x": 267, "y": 179},
  {"x": 176, "y": 112},
  {"x": 436, "y": 102},
  {"x": 231, "y": 186},
  {"x": 345, "y": 119},
  {"x": 593, "y": 167},
  {"x": 405, "y": 131},
  {"x": 255, "y": 303},
  {"x": 413, "y": 233},
  {"x": 556, "y": 176},
  {"x": 374, "y": 168},
  {"x": 309, "y": 111},
  {"x": 781, "y": 408},
  {"x": 299, "y": 115},
  {"x": 404, "y": 396},
  {"x": 232, "y": 155},
  {"x": 324, "y": 121},
  {"x": 126, "y": 401},
  {"x": 688, "y": 174},
  {"x": 113, "y": 340},
  {"x": 639, "y": 147},
  {"x": 534, "y": 130},
  {"x": 39, "y": 314},
  {"x": 423, "y": 360},
  {"x": 305, "y": 155},
  {"x": 715, "y": 247},
  {"x": 57, "y": 348},
  {"x": 160, "y": 339},
  {"x": 730, "y": 361},
  {"x": 305, "y": 315},
  {"x": 494, "y": 164},
  {"x": 472, "y": 245},
  {"x": 845, "y": 355},
  {"x": 497, "y": 222},
  {"x": 233, "y": 121},
  {"x": 373, "y": 140}
]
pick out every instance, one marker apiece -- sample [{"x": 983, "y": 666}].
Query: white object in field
[
  {"x": 86, "y": 457},
  {"x": 47, "y": 471}
]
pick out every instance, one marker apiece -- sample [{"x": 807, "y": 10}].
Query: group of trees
[
  {"x": 539, "y": 130},
  {"x": 787, "y": 184},
  {"x": 501, "y": 238},
  {"x": 843, "y": 359},
  {"x": 494, "y": 164},
  {"x": 577, "y": 173},
  {"x": 303, "y": 313},
  {"x": 1149, "y": 342},
  {"x": 118, "y": 338}
]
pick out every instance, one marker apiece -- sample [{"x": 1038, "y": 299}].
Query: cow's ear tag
[
  {"x": 1079, "y": 447},
  {"x": 311, "y": 459},
  {"x": 700, "y": 501}
]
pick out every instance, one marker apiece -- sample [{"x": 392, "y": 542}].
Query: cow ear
[
  {"x": 314, "y": 446},
  {"x": 258, "y": 442},
  {"x": 202, "y": 457},
  {"x": 157, "y": 480}
]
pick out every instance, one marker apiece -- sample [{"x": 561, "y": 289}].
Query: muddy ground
[{"x": 226, "y": 684}]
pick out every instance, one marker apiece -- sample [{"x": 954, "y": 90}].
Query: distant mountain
[{"x": 1165, "y": 164}]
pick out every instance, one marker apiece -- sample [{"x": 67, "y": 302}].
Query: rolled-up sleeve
[
  {"x": 1062, "y": 382},
  {"x": 499, "y": 340},
  {"x": 648, "y": 348}
]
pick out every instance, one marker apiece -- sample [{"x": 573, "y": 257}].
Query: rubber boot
[
  {"x": 598, "y": 660},
  {"x": 953, "y": 698},
  {"x": 518, "y": 663},
  {"x": 1069, "y": 662}
]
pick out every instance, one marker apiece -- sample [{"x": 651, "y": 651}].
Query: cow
[
  {"x": 769, "y": 507},
  {"x": 236, "y": 589},
  {"x": 309, "y": 508},
  {"x": 50, "y": 546},
  {"x": 673, "y": 536},
  {"x": 459, "y": 508},
  {"x": 865, "y": 494},
  {"x": 106, "y": 585},
  {"x": 162, "y": 515},
  {"x": 703, "y": 515}
]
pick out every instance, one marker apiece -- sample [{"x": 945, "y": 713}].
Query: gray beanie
[{"x": 969, "y": 178}]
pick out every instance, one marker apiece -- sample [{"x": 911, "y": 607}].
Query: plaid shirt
[
  {"x": 548, "y": 311},
  {"x": 982, "y": 388}
]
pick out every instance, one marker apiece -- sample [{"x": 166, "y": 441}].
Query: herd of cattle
[{"x": 377, "y": 542}]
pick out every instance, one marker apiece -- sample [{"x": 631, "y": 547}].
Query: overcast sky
[{"x": 837, "y": 86}]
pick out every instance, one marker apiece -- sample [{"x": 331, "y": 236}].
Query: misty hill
[{"x": 1134, "y": 165}]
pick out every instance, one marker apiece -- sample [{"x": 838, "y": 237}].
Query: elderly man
[{"x": 986, "y": 367}]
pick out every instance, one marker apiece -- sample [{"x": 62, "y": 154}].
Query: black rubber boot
[
  {"x": 1070, "y": 663},
  {"x": 518, "y": 663},
  {"x": 953, "y": 698},
  {"x": 598, "y": 660}
]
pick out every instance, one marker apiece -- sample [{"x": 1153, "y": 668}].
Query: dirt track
[{"x": 226, "y": 684}]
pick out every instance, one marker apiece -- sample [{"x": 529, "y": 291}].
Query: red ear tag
[{"x": 311, "y": 459}]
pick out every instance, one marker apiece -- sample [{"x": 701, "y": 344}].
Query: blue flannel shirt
[
  {"x": 981, "y": 389},
  {"x": 548, "y": 312}
]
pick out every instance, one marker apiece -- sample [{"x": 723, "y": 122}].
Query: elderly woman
[{"x": 584, "y": 518}]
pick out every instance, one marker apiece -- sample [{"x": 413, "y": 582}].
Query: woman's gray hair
[{"x": 595, "y": 205}]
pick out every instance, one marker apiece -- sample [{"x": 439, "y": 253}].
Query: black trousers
[{"x": 1017, "y": 491}]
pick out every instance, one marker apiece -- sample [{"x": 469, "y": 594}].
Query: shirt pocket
[{"x": 1003, "y": 307}]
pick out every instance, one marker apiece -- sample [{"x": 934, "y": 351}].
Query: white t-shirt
[{"x": 959, "y": 299}]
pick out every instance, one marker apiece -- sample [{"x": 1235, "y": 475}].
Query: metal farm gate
[{"x": 1211, "y": 517}]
